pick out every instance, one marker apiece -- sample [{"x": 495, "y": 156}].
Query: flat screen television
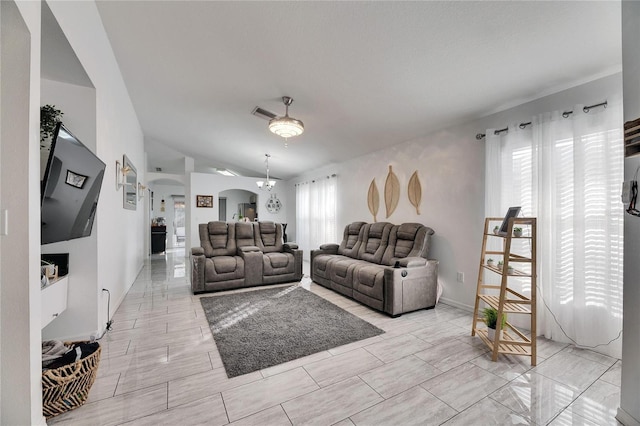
[{"x": 70, "y": 189}]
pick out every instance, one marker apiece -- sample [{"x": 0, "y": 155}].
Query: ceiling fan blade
[{"x": 263, "y": 113}]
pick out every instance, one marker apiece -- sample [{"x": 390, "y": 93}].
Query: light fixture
[
  {"x": 226, "y": 172},
  {"x": 266, "y": 184},
  {"x": 121, "y": 174},
  {"x": 141, "y": 189},
  {"x": 286, "y": 126}
]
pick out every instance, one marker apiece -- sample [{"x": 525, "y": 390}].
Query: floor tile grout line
[
  {"x": 581, "y": 393},
  {"x": 226, "y": 412}
]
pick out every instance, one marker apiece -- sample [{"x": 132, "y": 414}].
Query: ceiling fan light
[{"x": 286, "y": 126}]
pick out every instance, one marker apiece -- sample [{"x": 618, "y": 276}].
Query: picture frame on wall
[
  {"x": 204, "y": 201},
  {"x": 75, "y": 179}
]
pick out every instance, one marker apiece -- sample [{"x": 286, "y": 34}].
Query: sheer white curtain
[
  {"x": 316, "y": 213},
  {"x": 567, "y": 172}
]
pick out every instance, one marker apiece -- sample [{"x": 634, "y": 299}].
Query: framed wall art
[
  {"x": 75, "y": 179},
  {"x": 204, "y": 201}
]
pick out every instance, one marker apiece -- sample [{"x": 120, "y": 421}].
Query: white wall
[
  {"x": 213, "y": 184},
  {"x": 116, "y": 240},
  {"x": 450, "y": 164},
  {"x": 119, "y": 232},
  {"x": 20, "y": 364},
  {"x": 629, "y": 411},
  {"x": 78, "y": 104}
]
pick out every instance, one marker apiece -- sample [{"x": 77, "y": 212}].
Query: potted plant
[
  {"x": 510, "y": 270},
  {"x": 490, "y": 262},
  {"x": 496, "y": 229},
  {"x": 491, "y": 319},
  {"x": 49, "y": 118},
  {"x": 500, "y": 264},
  {"x": 517, "y": 232}
]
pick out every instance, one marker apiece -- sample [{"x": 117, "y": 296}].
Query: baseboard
[
  {"x": 455, "y": 304},
  {"x": 626, "y": 419}
]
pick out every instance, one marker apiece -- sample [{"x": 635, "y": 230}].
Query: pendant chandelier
[
  {"x": 266, "y": 184},
  {"x": 286, "y": 127}
]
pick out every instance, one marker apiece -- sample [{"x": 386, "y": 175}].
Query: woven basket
[{"x": 67, "y": 387}]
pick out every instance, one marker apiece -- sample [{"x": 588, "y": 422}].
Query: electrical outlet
[{"x": 461, "y": 277}]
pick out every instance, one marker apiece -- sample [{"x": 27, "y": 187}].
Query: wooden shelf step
[
  {"x": 507, "y": 347},
  {"x": 510, "y": 306}
]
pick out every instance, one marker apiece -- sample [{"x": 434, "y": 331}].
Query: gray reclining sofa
[
  {"x": 381, "y": 265},
  {"x": 242, "y": 254}
]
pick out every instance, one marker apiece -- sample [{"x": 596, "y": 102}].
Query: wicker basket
[{"x": 67, "y": 387}]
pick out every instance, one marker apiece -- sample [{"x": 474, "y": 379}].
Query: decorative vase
[{"x": 491, "y": 332}]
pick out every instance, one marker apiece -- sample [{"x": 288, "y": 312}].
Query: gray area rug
[{"x": 258, "y": 329}]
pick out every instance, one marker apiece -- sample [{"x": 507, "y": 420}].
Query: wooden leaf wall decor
[
  {"x": 373, "y": 199},
  {"x": 391, "y": 192},
  {"x": 415, "y": 191}
]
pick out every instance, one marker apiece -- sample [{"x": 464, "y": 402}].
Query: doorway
[
  {"x": 222, "y": 209},
  {"x": 179, "y": 220}
]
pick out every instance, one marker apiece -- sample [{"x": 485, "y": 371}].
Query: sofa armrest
[
  {"x": 290, "y": 246},
  {"x": 197, "y": 270},
  {"x": 330, "y": 248},
  {"x": 253, "y": 264},
  {"x": 411, "y": 288},
  {"x": 411, "y": 262},
  {"x": 248, "y": 249}
]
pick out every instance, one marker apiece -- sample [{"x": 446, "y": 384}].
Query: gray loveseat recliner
[
  {"x": 242, "y": 254},
  {"x": 381, "y": 265}
]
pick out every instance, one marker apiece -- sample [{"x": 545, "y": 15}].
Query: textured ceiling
[{"x": 363, "y": 75}]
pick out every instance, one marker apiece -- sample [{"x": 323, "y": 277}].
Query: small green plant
[
  {"x": 49, "y": 118},
  {"x": 500, "y": 263},
  {"x": 491, "y": 318},
  {"x": 516, "y": 229}
]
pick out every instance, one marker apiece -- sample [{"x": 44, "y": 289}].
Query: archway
[{"x": 236, "y": 204}]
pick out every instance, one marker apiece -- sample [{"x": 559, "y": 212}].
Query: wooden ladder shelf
[{"x": 503, "y": 299}]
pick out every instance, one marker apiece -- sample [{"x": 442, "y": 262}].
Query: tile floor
[{"x": 160, "y": 366}]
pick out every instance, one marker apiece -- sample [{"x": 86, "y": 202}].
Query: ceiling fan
[{"x": 284, "y": 126}]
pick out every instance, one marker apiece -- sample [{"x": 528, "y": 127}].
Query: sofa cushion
[
  {"x": 278, "y": 263},
  {"x": 217, "y": 239},
  {"x": 321, "y": 264},
  {"x": 223, "y": 268},
  {"x": 268, "y": 236},
  {"x": 407, "y": 240},
  {"x": 244, "y": 234},
  {"x": 341, "y": 271},
  {"x": 225, "y": 264},
  {"x": 350, "y": 240},
  {"x": 375, "y": 238},
  {"x": 369, "y": 280}
]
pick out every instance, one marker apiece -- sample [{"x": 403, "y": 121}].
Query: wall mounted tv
[{"x": 70, "y": 189}]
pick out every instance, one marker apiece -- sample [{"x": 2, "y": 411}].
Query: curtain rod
[
  {"x": 565, "y": 114},
  {"x": 318, "y": 178}
]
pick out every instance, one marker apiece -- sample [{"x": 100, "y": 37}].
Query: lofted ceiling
[{"x": 363, "y": 75}]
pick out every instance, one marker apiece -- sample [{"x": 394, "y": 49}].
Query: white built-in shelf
[{"x": 53, "y": 300}]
